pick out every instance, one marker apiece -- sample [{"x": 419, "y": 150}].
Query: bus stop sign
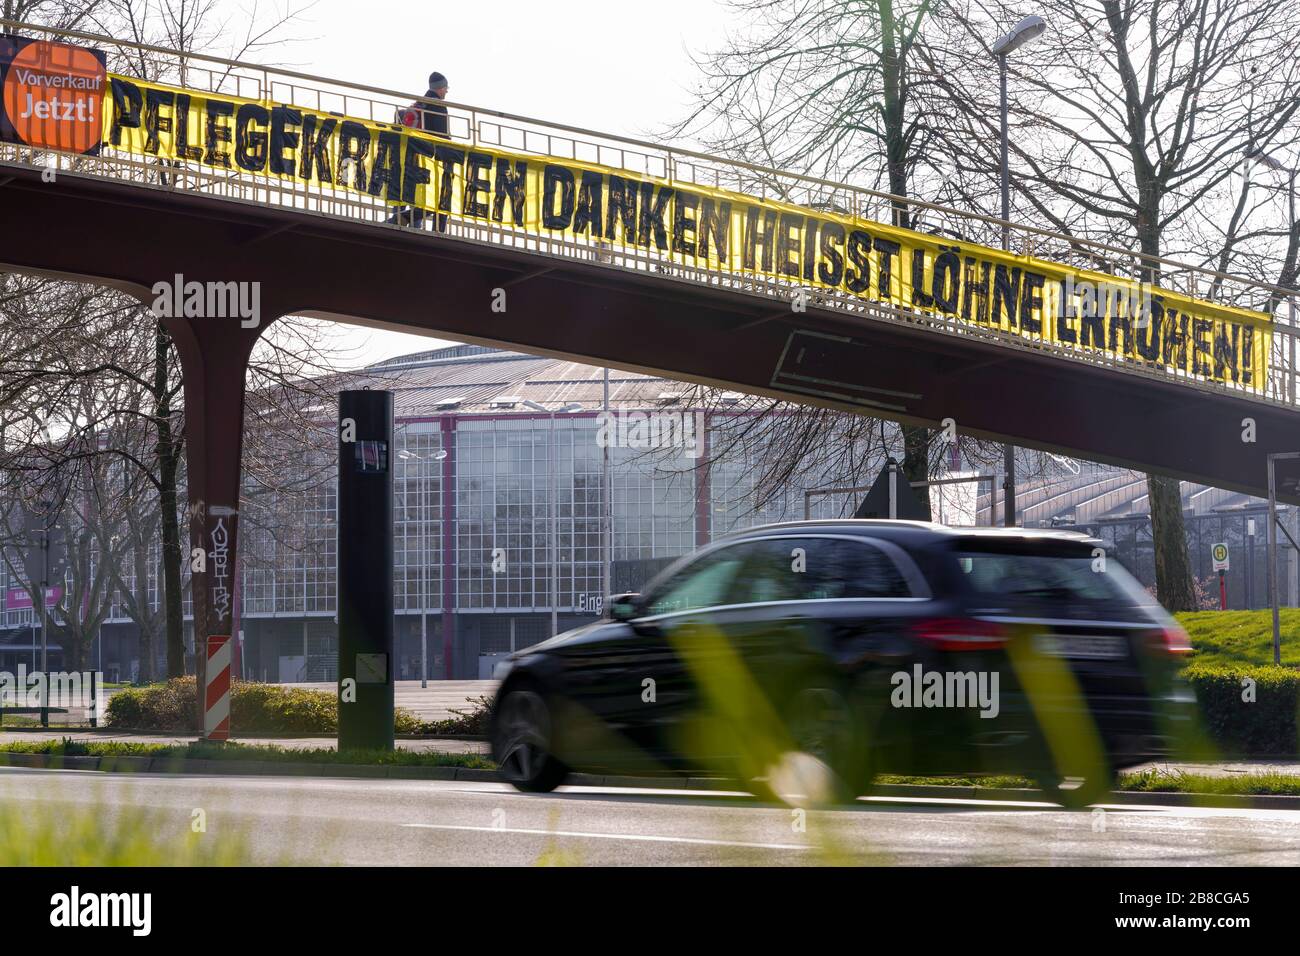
[{"x": 1219, "y": 554}]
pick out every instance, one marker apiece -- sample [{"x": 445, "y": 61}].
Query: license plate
[{"x": 1085, "y": 646}]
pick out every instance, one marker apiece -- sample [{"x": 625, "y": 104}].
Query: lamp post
[
  {"x": 606, "y": 504},
  {"x": 1250, "y": 564},
  {"x": 1019, "y": 35},
  {"x": 553, "y": 453},
  {"x": 1289, "y": 391},
  {"x": 1270, "y": 162}
]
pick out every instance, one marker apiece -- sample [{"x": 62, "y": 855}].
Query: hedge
[
  {"x": 1266, "y": 726},
  {"x": 254, "y": 708}
]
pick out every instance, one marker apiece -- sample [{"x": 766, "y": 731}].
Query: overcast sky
[{"x": 608, "y": 65}]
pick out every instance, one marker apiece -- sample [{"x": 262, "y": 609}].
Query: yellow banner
[{"x": 695, "y": 226}]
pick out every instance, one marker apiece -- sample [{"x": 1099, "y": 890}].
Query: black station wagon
[{"x": 812, "y": 656}]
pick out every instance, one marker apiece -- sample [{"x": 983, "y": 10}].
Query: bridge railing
[{"x": 478, "y": 126}]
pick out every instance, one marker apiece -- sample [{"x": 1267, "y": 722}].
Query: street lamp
[
  {"x": 1270, "y": 162},
  {"x": 606, "y": 502},
  {"x": 1277, "y": 166},
  {"x": 1004, "y": 46},
  {"x": 552, "y": 454}
]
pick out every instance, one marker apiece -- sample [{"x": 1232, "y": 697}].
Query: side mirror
[{"x": 624, "y": 607}]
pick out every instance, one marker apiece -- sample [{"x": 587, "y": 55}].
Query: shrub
[
  {"x": 254, "y": 709},
  {"x": 405, "y": 722},
  {"x": 1265, "y": 727},
  {"x": 473, "y": 721},
  {"x": 270, "y": 708},
  {"x": 168, "y": 706}
]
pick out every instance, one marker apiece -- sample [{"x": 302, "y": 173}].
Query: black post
[
  {"x": 1250, "y": 567},
  {"x": 365, "y": 570}
]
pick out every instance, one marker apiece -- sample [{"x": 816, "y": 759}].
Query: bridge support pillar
[{"x": 214, "y": 359}]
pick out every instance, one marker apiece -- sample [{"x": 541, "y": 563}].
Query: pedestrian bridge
[
  {"x": 226, "y": 181},
  {"x": 226, "y": 194}
]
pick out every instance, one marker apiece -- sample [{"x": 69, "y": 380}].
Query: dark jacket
[
  {"x": 434, "y": 118},
  {"x": 426, "y": 117}
]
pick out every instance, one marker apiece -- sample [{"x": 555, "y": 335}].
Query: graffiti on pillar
[{"x": 220, "y": 554}]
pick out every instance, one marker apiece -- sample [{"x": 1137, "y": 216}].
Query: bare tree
[
  {"x": 1132, "y": 116},
  {"x": 146, "y": 358},
  {"x": 826, "y": 88},
  {"x": 61, "y": 14}
]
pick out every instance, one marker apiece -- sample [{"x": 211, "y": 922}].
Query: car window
[
  {"x": 703, "y": 583},
  {"x": 1047, "y": 578},
  {"x": 840, "y": 568},
  {"x": 856, "y": 569},
  {"x": 771, "y": 572},
  {"x": 817, "y": 569}
]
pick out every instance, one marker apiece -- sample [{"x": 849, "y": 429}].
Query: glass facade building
[{"x": 499, "y": 510}]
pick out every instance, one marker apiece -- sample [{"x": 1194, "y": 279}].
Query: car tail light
[
  {"x": 960, "y": 634},
  {"x": 1171, "y": 640}
]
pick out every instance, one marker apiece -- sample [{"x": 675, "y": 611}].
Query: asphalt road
[{"x": 400, "y": 822}]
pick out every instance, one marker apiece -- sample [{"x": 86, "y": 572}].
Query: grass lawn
[
  {"x": 1146, "y": 781},
  {"x": 1242, "y": 637},
  {"x": 234, "y": 751}
]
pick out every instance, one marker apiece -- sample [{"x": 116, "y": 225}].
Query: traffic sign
[{"x": 1219, "y": 554}]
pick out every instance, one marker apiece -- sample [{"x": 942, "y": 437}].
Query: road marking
[
  {"x": 963, "y": 801},
  {"x": 642, "y": 838}
]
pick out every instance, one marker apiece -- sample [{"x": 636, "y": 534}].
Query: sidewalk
[{"x": 435, "y": 702}]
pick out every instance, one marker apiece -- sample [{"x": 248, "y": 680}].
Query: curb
[
  {"x": 163, "y": 765},
  {"x": 257, "y": 768},
  {"x": 129, "y": 731},
  {"x": 1149, "y": 798}
]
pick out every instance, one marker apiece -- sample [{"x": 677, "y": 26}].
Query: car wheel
[
  {"x": 821, "y": 766},
  {"x": 521, "y": 742}
]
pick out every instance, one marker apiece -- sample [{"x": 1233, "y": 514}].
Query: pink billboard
[{"x": 17, "y": 599}]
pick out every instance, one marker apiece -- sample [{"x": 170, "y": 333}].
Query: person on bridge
[{"x": 431, "y": 118}]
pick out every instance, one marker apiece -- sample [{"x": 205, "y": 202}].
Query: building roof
[{"x": 424, "y": 383}]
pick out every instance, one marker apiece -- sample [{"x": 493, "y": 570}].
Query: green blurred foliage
[{"x": 59, "y": 835}]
